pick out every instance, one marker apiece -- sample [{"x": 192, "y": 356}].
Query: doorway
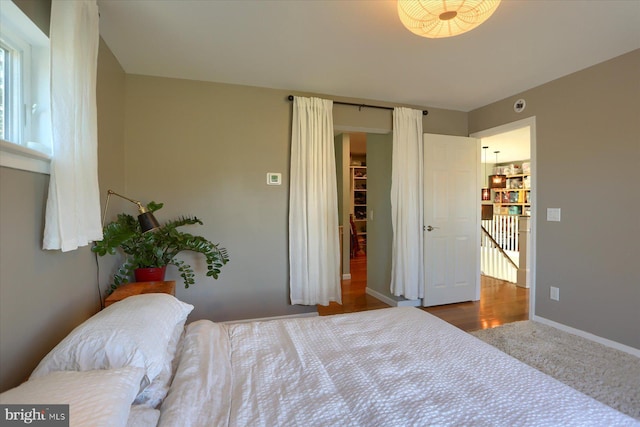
[
  {"x": 376, "y": 148},
  {"x": 514, "y": 142},
  {"x": 358, "y": 212},
  {"x": 351, "y": 170}
]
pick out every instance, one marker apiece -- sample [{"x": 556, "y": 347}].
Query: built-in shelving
[
  {"x": 359, "y": 203},
  {"x": 516, "y": 198}
]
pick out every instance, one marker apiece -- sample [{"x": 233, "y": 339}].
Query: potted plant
[{"x": 157, "y": 248}]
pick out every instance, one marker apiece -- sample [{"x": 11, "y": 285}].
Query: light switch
[{"x": 553, "y": 214}]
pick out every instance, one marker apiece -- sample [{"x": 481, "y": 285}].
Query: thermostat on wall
[
  {"x": 519, "y": 105},
  {"x": 274, "y": 178}
]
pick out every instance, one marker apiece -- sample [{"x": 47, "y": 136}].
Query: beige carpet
[{"x": 608, "y": 375}]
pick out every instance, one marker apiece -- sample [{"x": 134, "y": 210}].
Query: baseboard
[
  {"x": 346, "y": 276},
  {"x": 589, "y": 336},
  {"x": 392, "y": 302},
  {"x": 260, "y": 319}
]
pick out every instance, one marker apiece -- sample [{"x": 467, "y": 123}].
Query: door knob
[{"x": 431, "y": 228}]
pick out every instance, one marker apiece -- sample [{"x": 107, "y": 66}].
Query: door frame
[{"x": 531, "y": 123}]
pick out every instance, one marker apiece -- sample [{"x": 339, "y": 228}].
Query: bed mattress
[{"x": 389, "y": 367}]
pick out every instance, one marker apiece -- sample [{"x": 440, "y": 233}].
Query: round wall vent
[{"x": 519, "y": 105}]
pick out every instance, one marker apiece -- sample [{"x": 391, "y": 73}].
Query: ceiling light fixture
[{"x": 444, "y": 18}]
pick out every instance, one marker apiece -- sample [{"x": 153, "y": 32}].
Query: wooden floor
[{"x": 500, "y": 302}]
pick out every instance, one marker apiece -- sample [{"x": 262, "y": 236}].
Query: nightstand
[{"x": 137, "y": 288}]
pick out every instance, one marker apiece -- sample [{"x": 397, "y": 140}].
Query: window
[
  {"x": 13, "y": 63},
  {"x": 25, "y": 116},
  {"x": 3, "y": 62}
]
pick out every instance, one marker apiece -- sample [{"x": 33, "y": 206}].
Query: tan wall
[
  {"x": 39, "y": 11},
  {"x": 588, "y": 157},
  {"x": 204, "y": 149},
  {"x": 379, "y": 228},
  {"x": 342, "y": 143},
  {"x": 111, "y": 172},
  {"x": 45, "y": 294}
]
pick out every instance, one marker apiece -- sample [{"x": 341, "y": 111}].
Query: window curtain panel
[
  {"x": 73, "y": 205},
  {"x": 407, "y": 204},
  {"x": 314, "y": 253}
]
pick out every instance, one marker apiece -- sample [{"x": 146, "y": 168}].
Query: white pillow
[
  {"x": 95, "y": 398},
  {"x": 133, "y": 332},
  {"x": 153, "y": 395}
]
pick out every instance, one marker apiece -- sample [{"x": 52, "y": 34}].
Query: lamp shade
[
  {"x": 497, "y": 181},
  {"x": 444, "y": 18},
  {"x": 148, "y": 222}
]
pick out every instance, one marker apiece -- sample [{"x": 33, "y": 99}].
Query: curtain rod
[{"x": 360, "y": 106}]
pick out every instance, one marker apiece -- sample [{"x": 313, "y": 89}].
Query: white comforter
[{"x": 390, "y": 367}]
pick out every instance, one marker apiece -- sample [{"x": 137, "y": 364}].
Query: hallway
[{"x": 500, "y": 302}]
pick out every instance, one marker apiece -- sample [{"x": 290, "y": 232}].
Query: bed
[{"x": 388, "y": 367}]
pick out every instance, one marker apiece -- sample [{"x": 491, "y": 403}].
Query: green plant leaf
[{"x": 157, "y": 248}]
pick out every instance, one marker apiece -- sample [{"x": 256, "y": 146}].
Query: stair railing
[{"x": 498, "y": 247}]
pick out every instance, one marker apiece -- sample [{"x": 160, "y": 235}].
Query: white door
[{"x": 452, "y": 219}]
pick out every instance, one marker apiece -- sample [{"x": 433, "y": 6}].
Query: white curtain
[
  {"x": 73, "y": 205},
  {"x": 407, "y": 271},
  {"x": 314, "y": 253}
]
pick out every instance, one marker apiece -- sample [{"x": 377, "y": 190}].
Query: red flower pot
[{"x": 154, "y": 274}]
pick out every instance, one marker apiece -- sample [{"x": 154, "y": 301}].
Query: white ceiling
[
  {"x": 511, "y": 146},
  {"x": 360, "y": 49}
]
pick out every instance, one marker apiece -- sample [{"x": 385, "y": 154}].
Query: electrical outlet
[{"x": 554, "y": 293}]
